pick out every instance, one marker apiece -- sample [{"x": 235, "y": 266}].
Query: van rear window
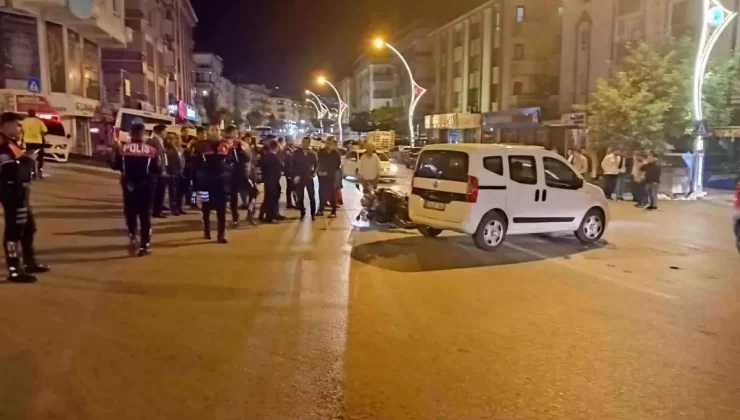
[
  {"x": 128, "y": 119},
  {"x": 442, "y": 164}
]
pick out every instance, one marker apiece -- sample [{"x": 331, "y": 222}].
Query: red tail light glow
[
  {"x": 472, "y": 195},
  {"x": 737, "y": 196}
]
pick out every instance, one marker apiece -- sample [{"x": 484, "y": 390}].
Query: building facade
[
  {"x": 52, "y": 62},
  {"x": 153, "y": 72},
  {"x": 209, "y": 80},
  {"x": 502, "y": 56},
  {"x": 375, "y": 80},
  {"x": 345, "y": 91},
  {"x": 596, "y": 33}
]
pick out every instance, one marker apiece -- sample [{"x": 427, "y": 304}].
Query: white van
[
  {"x": 127, "y": 116},
  {"x": 490, "y": 191}
]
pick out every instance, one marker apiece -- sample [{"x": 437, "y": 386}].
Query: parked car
[
  {"x": 490, "y": 191},
  {"x": 350, "y": 165}
]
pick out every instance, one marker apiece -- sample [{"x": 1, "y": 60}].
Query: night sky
[{"x": 286, "y": 43}]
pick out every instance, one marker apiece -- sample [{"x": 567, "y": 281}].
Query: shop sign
[
  {"x": 68, "y": 105},
  {"x": 38, "y": 103}
]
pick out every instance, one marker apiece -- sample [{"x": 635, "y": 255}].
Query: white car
[
  {"x": 490, "y": 191},
  {"x": 736, "y": 216},
  {"x": 350, "y": 165}
]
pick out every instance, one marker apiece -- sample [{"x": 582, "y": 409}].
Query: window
[
  {"x": 457, "y": 69},
  {"x": 585, "y": 39},
  {"x": 523, "y": 169},
  {"x": 559, "y": 175},
  {"x": 114, "y": 6},
  {"x": 473, "y": 99},
  {"x": 520, "y": 14},
  {"x": 443, "y": 164},
  {"x": 519, "y": 52},
  {"x": 474, "y": 64},
  {"x": 494, "y": 164},
  {"x": 475, "y": 30},
  {"x": 518, "y": 88}
]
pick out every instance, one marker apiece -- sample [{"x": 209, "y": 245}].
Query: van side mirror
[{"x": 579, "y": 183}]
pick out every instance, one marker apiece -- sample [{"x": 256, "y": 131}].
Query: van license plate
[{"x": 433, "y": 205}]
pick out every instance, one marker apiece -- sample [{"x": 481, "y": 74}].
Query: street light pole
[
  {"x": 342, "y": 105},
  {"x": 715, "y": 19},
  {"x": 416, "y": 91}
]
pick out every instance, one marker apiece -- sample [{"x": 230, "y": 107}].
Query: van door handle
[
  {"x": 536, "y": 196},
  {"x": 544, "y": 195}
]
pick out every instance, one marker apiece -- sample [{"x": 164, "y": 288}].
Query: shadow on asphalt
[
  {"x": 95, "y": 207},
  {"x": 421, "y": 254},
  {"x": 158, "y": 228},
  {"x": 70, "y": 215}
]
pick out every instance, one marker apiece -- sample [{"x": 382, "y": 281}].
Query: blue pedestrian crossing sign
[
  {"x": 701, "y": 128},
  {"x": 33, "y": 84}
]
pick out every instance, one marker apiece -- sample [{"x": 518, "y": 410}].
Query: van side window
[
  {"x": 494, "y": 164},
  {"x": 523, "y": 169},
  {"x": 559, "y": 175}
]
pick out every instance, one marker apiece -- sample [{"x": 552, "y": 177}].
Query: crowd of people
[
  {"x": 640, "y": 168},
  {"x": 217, "y": 169}
]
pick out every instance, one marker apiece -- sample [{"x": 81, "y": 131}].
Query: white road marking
[{"x": 592, "y": 273}]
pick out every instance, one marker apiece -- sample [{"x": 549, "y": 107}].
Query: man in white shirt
[
  {"x": 369, "y": 168},
  {"x": 580, "y": 163},
  {"x": 611, "y": 165}
]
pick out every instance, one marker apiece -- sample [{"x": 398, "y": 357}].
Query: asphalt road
[{"x": 322, "y": 321}]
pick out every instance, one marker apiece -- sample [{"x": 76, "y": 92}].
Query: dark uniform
[
  {"x": 330, "y": 162},
  {"x": 160, "y": 183},
  {"x": 272, "y": 170},
  {"x": 286, "y": 156},
  {"x": 305, "y": 164},
  {"x": 187, "y": 192},
  {"x": 213, "y": 179},
  {"x": 15, "y": 177},
  {"x": 140, "y": 167},
  {"x": 240, "y": 183}
]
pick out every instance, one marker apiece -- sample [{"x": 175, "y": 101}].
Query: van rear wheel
[
  {"x": 592, "y": 227},
  {"x": 491, "y": 232},
  {"x": 429, "y": 232}
]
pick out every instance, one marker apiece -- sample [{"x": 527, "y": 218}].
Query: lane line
[{"x": 574, "y": 267}]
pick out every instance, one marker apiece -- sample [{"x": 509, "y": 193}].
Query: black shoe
[
  {"x": 165, "y": 208},
  {"x": 222, "y": 240},
  {"x": 182, "y": 212},
  {"x": 159, "y": 216},
  {"x": 280, "y": 217},
  {"x": 319, "y": 213},
  {"x": 313, "y": 217},
  {"x": 651, "y": 208},
  {"x": 207, "y": 236},
  {"x": 251, "y": 221},
  {"x": 144, "y": 251},
  {"x": 16, "y": 277},
  {"x": 37, "y": 268},
  {"x": 303, "y": 215}
]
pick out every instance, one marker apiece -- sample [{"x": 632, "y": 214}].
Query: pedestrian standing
[
  {"x": 213, "y": 181},
  {"x": 175, "y": 173},
  {"x": 287, "y": 158},
  {"x": 652, "y": 180},
  {"x": 369, "y": 168},
  {"x": 34, "y": 137},
  {"x": 622, "y": 176},
  {"x": 139, "y": 164},
  {"x": 272, "y": 171},
  {"x": 305, "y": 164},
  {"x": 160, "y": 186},
  {"x": 239, "y": 162},
  {"x": 610, "y": 166},
  {"x": 580, "y": 163},
  {"x": 330, "y": 162},
  {"x": 638, "y": 180},
  {"x": 16, "y": 167}
]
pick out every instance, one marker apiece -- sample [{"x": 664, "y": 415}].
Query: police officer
[
  {"x": 304, "y": 170},
  {"x": 157, "y": 141},
  {"x": 272, "y": 171},
  {"x": 239, "y": 162},
  {"x": 213, "y": 178},
  {"x": 140, "y": 165},
  {"x": 16, "y": 168}
]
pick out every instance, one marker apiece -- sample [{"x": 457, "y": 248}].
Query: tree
[
  {"x": 273, "y": 123},
  {"x": 255, "y": 118},
  {"x": 386, "y": 118},
  {"x": 214, "y": 113},
  {"x": 361, "y": 122},
  {"x": 647, "y": 103},
  {"x": 237, "y": 117}
]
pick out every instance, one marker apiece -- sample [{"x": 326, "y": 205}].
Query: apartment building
[
  {"x": 209, "y": 80},
  {"x": 345, "y": 91},
  {"x": 52, "y": 61},
  {"x": 375, "y": 80},
  {"x": 153, "y": 71},
  {"x": 595, "y": 34},
  {"x": 501, "y": 57}
]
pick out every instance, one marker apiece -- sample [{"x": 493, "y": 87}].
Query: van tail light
[
  {"x": 472, "y": 195},
  {"x": 737, "y": 196}
]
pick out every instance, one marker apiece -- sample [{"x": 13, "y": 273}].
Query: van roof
[{"x": 478, "y": 147}]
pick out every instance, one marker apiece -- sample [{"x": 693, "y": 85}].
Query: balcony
[
  {"x": 169, "y": 61},
  {"x": 168, "y": 27},
  {"x": 99, "y": 23}
]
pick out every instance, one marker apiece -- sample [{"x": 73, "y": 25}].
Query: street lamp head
[
  {"x": 321, "y": 80},
  {"x": 308, "y": 92},
  {"x": 378, "y": 43}
]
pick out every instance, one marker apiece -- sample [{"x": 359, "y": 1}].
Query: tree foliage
[
  {"x": 361, "y": 122},
  {"x": 647, "y": 101},
  {"x": 386, "y": 118},
  {"x": 273, "y": 123},
  {"x": 255, "y": 118}
]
